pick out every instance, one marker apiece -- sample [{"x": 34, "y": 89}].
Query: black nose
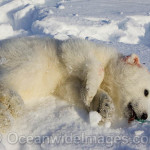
[{"x": 144, "y": 116}]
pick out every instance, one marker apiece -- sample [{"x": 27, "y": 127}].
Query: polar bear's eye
[{"x": 146, "y": 92}]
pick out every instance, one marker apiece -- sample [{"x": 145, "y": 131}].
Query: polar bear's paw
[
  {"x": 103, "y": 104},
  {"x": 6, "y": 119},
  {"x": 12, "y": 101},
  {"x": 106, "y": 107}
]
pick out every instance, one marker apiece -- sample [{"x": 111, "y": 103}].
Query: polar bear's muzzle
[{"x": 133, "y": 115}]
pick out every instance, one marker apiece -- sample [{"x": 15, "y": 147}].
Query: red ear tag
[{"x": 132, "y": 59}]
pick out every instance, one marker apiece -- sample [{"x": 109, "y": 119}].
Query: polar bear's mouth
[{"x": 132, "y": 114}]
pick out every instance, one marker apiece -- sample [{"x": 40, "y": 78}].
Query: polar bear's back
[
  {"x": 21, "y": 50},
  {"x": 30, "y": 66}
]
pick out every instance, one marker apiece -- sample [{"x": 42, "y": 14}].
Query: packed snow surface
[{"x": 53, "y": 123}]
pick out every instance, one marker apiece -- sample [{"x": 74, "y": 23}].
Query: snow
[
  {"x": 53, "y": 123},
  {"x": 94, "y": 118},
  {"x": 107, "y": 124},
  {"x": 139, "y": 132},
  {"x": 60, "y": 6}
]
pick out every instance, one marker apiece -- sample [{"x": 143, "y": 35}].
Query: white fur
[{"x": 73, "y": 70}]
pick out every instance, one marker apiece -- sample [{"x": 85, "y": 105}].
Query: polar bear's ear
[{"x": 132, "y": 59}]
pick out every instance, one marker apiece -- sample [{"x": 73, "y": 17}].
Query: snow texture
[
  {"x": 53, "y": 123},
  {"x": 94, "y": 118}
]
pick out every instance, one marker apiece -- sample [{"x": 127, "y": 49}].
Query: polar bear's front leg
[
  {"x": 93, "y": 79},
  {"x": 103, "y": 104}
]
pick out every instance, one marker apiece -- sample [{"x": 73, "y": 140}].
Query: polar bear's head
[{"x": 134, "y": 88}]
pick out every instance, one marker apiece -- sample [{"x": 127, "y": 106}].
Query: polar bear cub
[{"x": 79, "y": 71}]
